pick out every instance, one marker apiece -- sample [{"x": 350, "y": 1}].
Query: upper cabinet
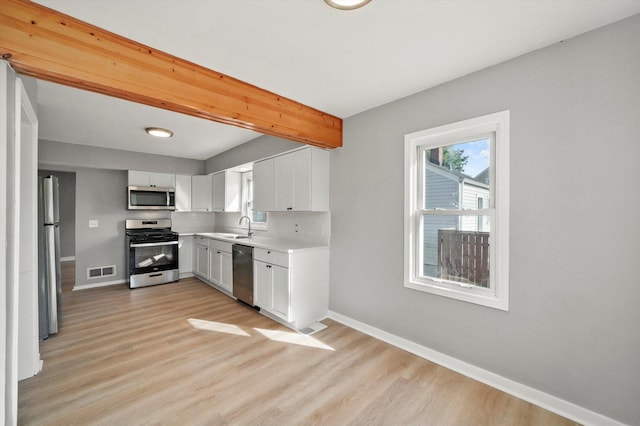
[
  {"x": 201, "y": 191},
  {"x": 264, "y": 189},
  {"x": 227, "y": 190},
  {"x": 183, "y": 193},
  {"x": 298, "y": 181},
  {"x": 161, "y": 180}
]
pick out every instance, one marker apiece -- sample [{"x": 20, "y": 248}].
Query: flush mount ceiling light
[
  {"x": 159, "y": 132},
  {"x": 347, "y": 4}
]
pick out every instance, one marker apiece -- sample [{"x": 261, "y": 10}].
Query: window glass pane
[
  {"x": 456, "y": 176},
  {"x": 259, "y": 217},
  {"x": 454, "y": 249}
]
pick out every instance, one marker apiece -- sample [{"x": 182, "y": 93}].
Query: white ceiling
[{"x": 340, "y": 62}]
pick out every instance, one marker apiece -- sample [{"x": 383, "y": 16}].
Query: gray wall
[
  {"x": 256, "y": 149},
  {"x": 572, "y": 328},
  {"x": 57, "y": 155},
  {"x": 101, "y": 181},
  {"x": 67, "y": 210},
  {"x": 101, "y": 195}
]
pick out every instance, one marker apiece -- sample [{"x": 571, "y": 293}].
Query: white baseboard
[
  {"x": 102, "y": 284},
  {"x": 67, "y": 259},
  {"x": 549, "y": 402}
]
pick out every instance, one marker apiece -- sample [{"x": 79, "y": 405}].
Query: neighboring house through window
[{"x": 457, "y": 210}]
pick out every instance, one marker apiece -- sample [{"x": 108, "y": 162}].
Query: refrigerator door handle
[{"x": 52, "y": 258}]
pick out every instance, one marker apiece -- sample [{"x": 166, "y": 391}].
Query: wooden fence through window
[{"x": 463, "y": 256}]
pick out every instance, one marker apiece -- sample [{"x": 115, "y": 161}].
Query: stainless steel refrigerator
[{"x": 49, "y": 276}]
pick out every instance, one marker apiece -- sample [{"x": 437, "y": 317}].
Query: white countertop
[{"x": 275, "y": 244}]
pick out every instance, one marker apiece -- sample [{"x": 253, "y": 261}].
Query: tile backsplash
[{"x": 308, "y": 226}]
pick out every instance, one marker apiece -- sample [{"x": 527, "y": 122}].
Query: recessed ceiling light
[
  {"x": 159, "y": 132},
  {"x": 347, "y": 4}
]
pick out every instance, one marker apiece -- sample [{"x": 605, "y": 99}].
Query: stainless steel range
[{"x": 152, "y": 252}]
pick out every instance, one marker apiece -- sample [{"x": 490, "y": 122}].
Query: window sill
[{"x": 470, "y": 294}]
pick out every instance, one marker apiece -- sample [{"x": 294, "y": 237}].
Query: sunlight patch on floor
[
  {"x": 294, "y": 338},
  {"x": 217, "y": 326}
]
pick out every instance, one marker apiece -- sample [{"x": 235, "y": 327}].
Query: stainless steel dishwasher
[{"x": 243, "y": 273}]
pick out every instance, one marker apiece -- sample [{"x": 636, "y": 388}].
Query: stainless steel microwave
[{"x": 151, "y": 198}]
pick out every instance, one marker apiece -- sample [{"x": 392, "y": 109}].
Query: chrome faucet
[{"x": 249, "y": 233}]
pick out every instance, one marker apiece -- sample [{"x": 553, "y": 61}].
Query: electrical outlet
[
  {"x": 296, "y": 227},
  {"x": 93, "y": 223}
]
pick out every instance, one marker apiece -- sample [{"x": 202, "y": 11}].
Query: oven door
[{"x": 152, "y": 263}]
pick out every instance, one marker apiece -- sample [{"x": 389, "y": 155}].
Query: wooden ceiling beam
[{"x": 48, "y": 45}]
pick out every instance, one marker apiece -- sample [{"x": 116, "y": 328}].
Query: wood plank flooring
[{"x": 131, "y": 357}]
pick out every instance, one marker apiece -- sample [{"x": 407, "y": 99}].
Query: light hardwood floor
[{"x": 132, "y": 357}]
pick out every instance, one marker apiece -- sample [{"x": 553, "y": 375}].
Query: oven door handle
[{"x": 163, "y": 243}]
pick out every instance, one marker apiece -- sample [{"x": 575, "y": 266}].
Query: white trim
[
  {"x": 541, "y": 399},
  {"x": 497, "y": 295},
  {"x": 7, "y": 409},
  {"x": 27, "y": 139},
  {"x": 103, "y": 284},
  {"x": 8, "y": 310},
  {"x": 67, "y": 259}
]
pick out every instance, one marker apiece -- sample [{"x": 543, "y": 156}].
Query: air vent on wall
[{"x": 101, "y": 271}]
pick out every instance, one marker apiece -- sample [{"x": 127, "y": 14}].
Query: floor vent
[
  {"x": 101, "y": 271},
  {"x": 313, "y": 328}
]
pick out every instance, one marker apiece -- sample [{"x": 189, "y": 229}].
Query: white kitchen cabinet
[
  {"x": 310, "y": 180},
  {"x": 201, "y": 193},
  {"x": 283, "y": 175},
  {"x": 201, "y": 267},
  {"x": 262, "y": 285},
  {"x": 297, "y": 181},
  {"x": 221, "y": 264},
  {"x": 281, "y": 292},
  {"x": 185, "y": 255},
  {"x": 161, "y": 180},
  {"x": 183, "y": 193},
  {"x": 227, "y": 191},
  {"x": 271, "y": 282},
  {"x": 264, "y": 190},
  {"x": 292, "y": 287},
  {"x": 272, "y": 289}
]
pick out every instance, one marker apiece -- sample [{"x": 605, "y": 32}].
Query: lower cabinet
[
  {"x": 292, "y": 287},
  {"x": 201, "y": 259},
  {"x": 221, "y": 264},
  {"x": 271, "y": 283},
  {"x": 185, "y": 255}
]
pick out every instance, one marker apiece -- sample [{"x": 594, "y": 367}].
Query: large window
[
  {"x": 457, "y": 210},
  {"x": 258, "y": 218}
]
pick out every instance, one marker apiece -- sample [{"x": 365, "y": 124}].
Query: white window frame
[
  {"x": 247, "y": 201},
  {"x": 497, "y": 124}
]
